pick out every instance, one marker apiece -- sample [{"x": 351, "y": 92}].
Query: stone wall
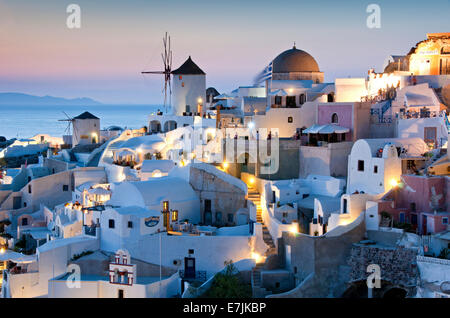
[
  {"x": 225, "y": 197},
  {"x": 398, "y": 265}
]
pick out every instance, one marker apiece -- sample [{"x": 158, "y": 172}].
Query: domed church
[{"x": 295, "y": 64}]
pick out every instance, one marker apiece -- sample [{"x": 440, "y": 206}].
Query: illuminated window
[
  {"x": 180, "y": 77},
  {"x": 290, "y": 119},
  {"x": 182, "y": 84},
  {"x": 174, "y": 216}
]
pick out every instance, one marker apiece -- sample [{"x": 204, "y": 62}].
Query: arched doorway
[
  {"x": 330, "y": 98},
  {"x": 155, "y": 126}
]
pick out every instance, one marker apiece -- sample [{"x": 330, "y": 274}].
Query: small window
[
  {"x": 334, "y": 118},
  {"x": 29, "y": 178},
  {"x": 360, "y": 165},
  {"x": 180, "y": 77},
  {"x": 277, "y": 100},
  {"x": 65, "y": 188},
  {"x": 24, "y": 221},
  {"x": 375, "y": 169},
  {"x": 191, "y": 251},
  {"x": 24, "y": 204},
  {"x": 29, "y": 188},
  {"x": 277, "y": 285},
  {"x": 290, "y": 119},
  {"x": 182, "y": 84},
  {"x": 130, "y": 224},
  {"x": 345, "y": 207},
  {"x": 302, "y": 99},
  {"x": 120, "y": 293},
  {"x": 230, "y": 217},
  {"x": 444, "y": 220},
  {"x": 412, "y": 206},
  {"x": 111, "y": 223}
]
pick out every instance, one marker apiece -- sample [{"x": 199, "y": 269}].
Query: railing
[
  {"x": 421, "y": 114},
  {"x": 199, "y": 275}
]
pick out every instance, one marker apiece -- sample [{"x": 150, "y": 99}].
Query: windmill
[
  {"x": 167, "y": 62},
  {"x": 69, "y": 121}
]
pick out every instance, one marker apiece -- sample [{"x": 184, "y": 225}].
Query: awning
[{"x": 326, "y": 129}]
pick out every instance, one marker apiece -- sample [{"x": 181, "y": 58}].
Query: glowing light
[
  {"x": 257, "y": 257},
  {"x": 251, "y": 125},
  {"x": 200, "y": 100},
  {"x": 225, "y": 165},
  {"x": 290, "y": 90},
  {"x": 252, "y": 180},
  {"x": 2, "y": 250},
  {"x": 393, "y": 183},
  {"x": 182, "y": 163},
  {"x": 293, "y": 229},
  {"x": 139, "y": 150}
]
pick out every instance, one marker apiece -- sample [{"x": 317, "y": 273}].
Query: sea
[{"x": 27, "y": 121}]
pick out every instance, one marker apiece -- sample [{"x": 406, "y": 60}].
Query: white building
[
  {"x": 189, "y": 89},
  {"x": 375, "y": 165},
  {"x": 86, "y": 129}
]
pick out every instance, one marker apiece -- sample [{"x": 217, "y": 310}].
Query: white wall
[{"x": 194, "y": 88}]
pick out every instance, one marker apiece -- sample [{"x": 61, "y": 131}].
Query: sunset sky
[{"x": 230, "y": 40}]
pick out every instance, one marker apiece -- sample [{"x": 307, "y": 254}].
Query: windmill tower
[
  {"x": 167, "y": 62},
  {"x": 85, "y": 127}
]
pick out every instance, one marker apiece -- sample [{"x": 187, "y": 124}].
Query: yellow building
[{"x": 431, "y": 56}]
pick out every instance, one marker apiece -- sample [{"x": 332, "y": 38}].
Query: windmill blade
[{"x": 155, "y": 72}]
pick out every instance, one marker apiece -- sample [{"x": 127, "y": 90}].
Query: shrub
[{"x": 228, "y": 285}]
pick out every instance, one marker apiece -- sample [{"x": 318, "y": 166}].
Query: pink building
[{"x": 420, "y": 201}]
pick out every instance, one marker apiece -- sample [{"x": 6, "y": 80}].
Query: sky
[{"x": 230, "y": 40}]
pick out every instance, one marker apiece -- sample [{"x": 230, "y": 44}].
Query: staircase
[
  {"x": 255, "y": 197},
  {"x": 257, "y": 290}
]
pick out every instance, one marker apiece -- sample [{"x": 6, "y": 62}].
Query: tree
[{"x": 228, "y": 285}]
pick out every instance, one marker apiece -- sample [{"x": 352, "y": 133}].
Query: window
[
  {"x": 174, "y": 216},
  {"x": 191, "y": 251},
  {"x": 277, "y": 100},
  {"x": 277, "y": 285},
  {"x": 29, "y": 188},
  {"x": 360, "y": 165},
  {"x": 344, "y": 210},
  {"x": 290, "y": 119},
  {"x": 24, "y": 204},
  {"x": 120, "y": 293},
  {"x": 330, "y": 98},
  {"x": 130, "y": 224},
  {"x": 65, "y": 188},
  {"x": 290, "y": 102},
  {"x": 111, "y": 223},
  {"x": 182, "y": 84},
  {"x": 375, "y": 169},
  {"x": 180, "y": 77},
  {"x": 414, "y": 219},
  {"x": 24, "y": 221},
  {"x": 29, "y": 178},
  {"x": 334, "y": 118},
  {"x": 444, "y": 220},
  {"x": 230, "y": 217},
  {"x": 302, "y": 99},
  {"x": 412, "y": 206}
]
